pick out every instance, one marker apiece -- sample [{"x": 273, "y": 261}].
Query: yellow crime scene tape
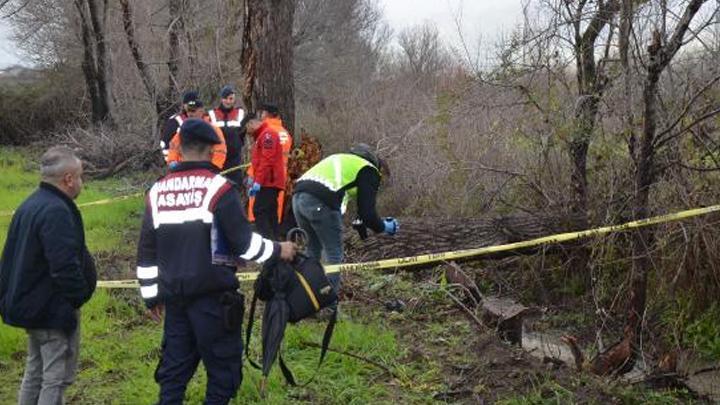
[
  {"x": 89, "y": 204},
  {"x": 234, "y": 169},
  {"x": 126, "y": 197},
  {"x": 462, "y": 254}
]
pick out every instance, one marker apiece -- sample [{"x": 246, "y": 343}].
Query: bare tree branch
[{"x": 687, "y": 107}]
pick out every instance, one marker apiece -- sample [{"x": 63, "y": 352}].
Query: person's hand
[
  {"x": 156, "y": 312},
  {"x": 249, "y": 181},
  {"x": 288, "y": 250},
  {"x": 172, "y": 165},
  {"x": 254, "y": 189},
  {"x": 391, "y": 225}
]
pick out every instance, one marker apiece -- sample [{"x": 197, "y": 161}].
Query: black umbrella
[{"x": 275, "y": 319}]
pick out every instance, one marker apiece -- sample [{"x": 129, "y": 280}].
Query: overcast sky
[{"x": 484, "y": 19}]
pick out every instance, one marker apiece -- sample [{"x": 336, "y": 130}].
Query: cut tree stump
[{"x": 507, "y": 316}]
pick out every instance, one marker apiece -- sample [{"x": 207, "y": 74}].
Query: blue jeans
[{"x": 324, "y": 229}]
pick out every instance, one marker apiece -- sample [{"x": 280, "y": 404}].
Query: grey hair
[{"x": 57, "y": 161}]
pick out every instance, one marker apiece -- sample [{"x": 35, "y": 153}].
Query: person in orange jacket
[
  {"x": 189, "y": 100},
  {"x": 219, "y": 151},
  {"x": 270, "y": 116},
  {"x": 269, "y": 176}
]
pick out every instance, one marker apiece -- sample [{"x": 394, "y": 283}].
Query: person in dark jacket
[
  {"x": 321, "y": 196},
  {"x": 192, "y": 239},
  {"x": 190, "y": 101},
  {"x": 46, "y": 275},
  {"x": 231, "y": 120}
]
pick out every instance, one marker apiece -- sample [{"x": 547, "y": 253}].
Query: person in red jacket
[
  {"x": 268, "y": 168},
  {"x": 270, "y": 116}
]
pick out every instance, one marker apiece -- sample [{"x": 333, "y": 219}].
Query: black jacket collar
[
  {"x": 54, "y": 190},
  {"x": 184, "y": 166},
  {"x": 67, "y": 200}
]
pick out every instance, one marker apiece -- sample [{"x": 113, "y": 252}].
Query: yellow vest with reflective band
[{"x": 337, "y": 172}]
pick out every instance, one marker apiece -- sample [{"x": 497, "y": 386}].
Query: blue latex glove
[
  {"x": 391, "y": 225},
  {"x": 173, "y": 165},
  {"x": 254, "y": 189}
]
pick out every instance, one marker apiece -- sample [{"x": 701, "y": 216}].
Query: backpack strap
[{"x": 323, "y": 351}]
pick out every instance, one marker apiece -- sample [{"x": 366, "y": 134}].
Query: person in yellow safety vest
[
  {"x": 270, "y": 117},
  {"x": 321, "y": 196},
  {"x": 219, "y": 151}
]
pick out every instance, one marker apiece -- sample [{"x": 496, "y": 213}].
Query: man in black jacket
[
  {"x": 231, "y": 120},
  {"x": 192, "y": 238},
  {"x": 46, "y": 275},
  {"x": 190, "y": 101}
]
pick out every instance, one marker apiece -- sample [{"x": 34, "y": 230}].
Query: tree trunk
[
  {"x": 88, "y": 63},
  {"x": 624, "y": 50},
  {"x": 643, "y": 237},
  {"x": 174, "y": 7},
  {"x": 659, "y": 57},
  {"x": 430, "y": 235},
  {"x": 143, "y": 70},
  {"x": 267, "y": 57},
  {"x": 98, "y": 17},
  {"x": 96, "y": 64},
  {"x": 591, "y": 85}
]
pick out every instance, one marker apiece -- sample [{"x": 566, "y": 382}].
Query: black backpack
[{"x": 291, "y": 292}]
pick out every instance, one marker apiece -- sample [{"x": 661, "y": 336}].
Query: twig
[
  {"x": 353, "y": 355},
  {"x": 466, "y": 309},
  {"x": 706, "y": 369}
]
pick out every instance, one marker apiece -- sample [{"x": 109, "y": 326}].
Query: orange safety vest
[
  {"x": 286, "y": 142},
  {"x": 219, "y": 151}
]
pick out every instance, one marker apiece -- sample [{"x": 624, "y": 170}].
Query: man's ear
[{"x": 68, "y": 179}]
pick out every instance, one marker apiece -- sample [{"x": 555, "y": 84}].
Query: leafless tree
[
  {"x": 423, "y": 54},
  {"x": 96, "y": 63},
  {"x": 660, "y": 52}
]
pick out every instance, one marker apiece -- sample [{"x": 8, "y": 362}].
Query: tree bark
[
  {"x": 174, "y": 7},
  {"x": 143, "y": 69},
  {"x": 98, "y": 17},
  {"x": 267, "y": 57},
  {"x": 626, "y": 19},
  {"x": 96, "y": 64},
  {"x": 429, "y": 235}
]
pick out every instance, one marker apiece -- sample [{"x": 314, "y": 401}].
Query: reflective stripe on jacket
[{"x": 218, "y": 156}]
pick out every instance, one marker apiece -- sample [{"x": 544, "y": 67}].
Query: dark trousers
[
  {"x": 265, "y": 211},
  {"x": 195, "y": 331}
]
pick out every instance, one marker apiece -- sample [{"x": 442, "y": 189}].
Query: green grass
[
  {"x": 106, "y": 226},
  {"x": 120, "y": 347},
  {"x": 704, "y": 333}
]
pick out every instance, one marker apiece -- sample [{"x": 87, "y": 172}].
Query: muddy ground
[{"x": 474, "y": 365}]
